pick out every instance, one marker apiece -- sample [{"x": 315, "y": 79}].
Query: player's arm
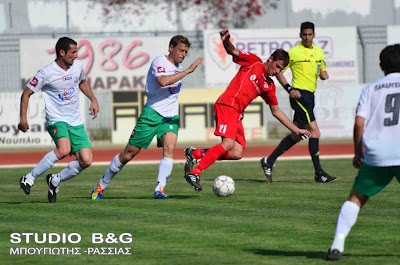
[
  {"x": 323, "y": 75},
  {"x": 94, "y": 105},
  {"x": 23, "y": 109},
  {"x": 295, "y": 94},
  {"x": 229, "y": 48},
  {"x": 280, "y": 116},
  {"x": 166, "y": 80},
  {"x": 357, "y": 139}
]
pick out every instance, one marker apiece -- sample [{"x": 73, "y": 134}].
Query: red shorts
[{"x": 229, "y": 123}]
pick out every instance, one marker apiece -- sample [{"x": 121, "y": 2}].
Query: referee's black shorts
[{"x": 303, "y": 108}]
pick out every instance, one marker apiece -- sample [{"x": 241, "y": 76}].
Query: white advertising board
[
  {"x": 340, "y": 59},
  {"x": 109, "y": 63}
]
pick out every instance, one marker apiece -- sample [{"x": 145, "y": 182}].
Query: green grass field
[{"x": 291, "y": 221}]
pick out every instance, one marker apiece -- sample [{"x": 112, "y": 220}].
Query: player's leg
[
  {"x": 346, "y": 219},
  {"x": 301, "y": 118},
  {"x": 116, "y": 165},
  {"x": 141, "y": 137},
  {"x": 167, "y": 136},
  {"x": 227, "y": 121},
  {"x": 82, "y": 149},
  {"x": 60, "y": 135},
  {"x": 313, "y": 148},
  {"x": 236, "y": 153},
  {"x": 168, "y": 142},
  {"x": 369, "y": 182},
  {"x": 193, "y": 155},
  {"x": 213, "y": 154}
]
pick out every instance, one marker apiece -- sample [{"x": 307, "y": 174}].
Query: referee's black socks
[
  {"x": 313, "y": 148},
  {"x": 283, "y": 146}
]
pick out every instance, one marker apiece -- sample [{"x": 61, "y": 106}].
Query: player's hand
[
  {"x": 323, "y": 75},
  {"x": 357, "y": 160},
  {"x": 196, "y": 63},
  {"x": 23, "y": 126},
  {"x": 224, "y": 33},
  {"x": 294, "y": 94},
  {"x": 304, "y": 134},
  {"x": 94, "y": 108}
]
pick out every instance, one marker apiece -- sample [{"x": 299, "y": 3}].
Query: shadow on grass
[
  {"x": 150, "y": 197},
  {"x": 46, "y": 202},
  {"x": 178, "y": 197},
  {"x": 310, "y": 254},
  {"x": 103, "y": 198}
]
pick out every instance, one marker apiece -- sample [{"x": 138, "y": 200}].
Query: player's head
[
  {"x": 178, "y": 48},
  {"x": 307, "y": 33},
  {"x": 66, "y": 50},
  {"x": 390, "y": 59},
  {"x": 278, "y": 60}
]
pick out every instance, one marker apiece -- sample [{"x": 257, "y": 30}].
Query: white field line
[{"x": 180, "y": 161}]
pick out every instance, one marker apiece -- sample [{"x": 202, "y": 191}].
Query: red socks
[
  {"x": 209, "y": 158},
  {"x": 199, "y": 153}
]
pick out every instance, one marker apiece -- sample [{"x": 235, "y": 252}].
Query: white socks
[
  {"x": 72, "y": 170},
  {"x": 114, "y": 167},
  {"x": 347, "y": 218},
  {"x": 47, "y": 162},
  {"x": 164, "y": 170}
]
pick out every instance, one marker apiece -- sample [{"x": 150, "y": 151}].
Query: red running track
[{"x": 17, "y": 158}]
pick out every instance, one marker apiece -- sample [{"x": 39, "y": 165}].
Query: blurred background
[{"x": 118, "y": 39}]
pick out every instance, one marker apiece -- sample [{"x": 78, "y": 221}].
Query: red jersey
[{"x": 250, "y": 82}]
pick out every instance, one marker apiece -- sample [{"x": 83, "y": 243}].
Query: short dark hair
[
  {"x": 63, "y": 44},
  {"x": 281, "y": 54},
  {"x": 390, "y": 58},
  {"x": 307, "y": 25},
  {"x": 179, "y": 39}
]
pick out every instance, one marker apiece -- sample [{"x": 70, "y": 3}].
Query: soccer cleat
[
  {"x": 323, "y": 177},
  {"x": 97, "y": 192},
  {"x": 160, "y": 195},
  {"x": 26, "y": 184},
  {"x": 190, "y": 161},
  {"x": 267, "y": 169},
  {"x": 194, "y": 181},
  {"x": 334, "y": 254},
  {"x": 52, "y": 194}
]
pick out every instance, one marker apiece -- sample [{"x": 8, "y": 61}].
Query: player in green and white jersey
[
  {"x": 160, "y": 116},
  {"x": 60, "y": 83},
  {"x": 377, "y": 130}
]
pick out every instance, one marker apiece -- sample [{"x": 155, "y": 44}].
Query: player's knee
[
  {"x": 169, "y": 148},
  {"x": 296, "y": 138},
  {"x": 63, "y": 151},
  {"x": 85, "y": 163},
  {"x": 316, "y": 134},
  {"x": 125, "y": 157},
  {"x": 229, "y": 146},
  {"x": 235, "y": 156}
]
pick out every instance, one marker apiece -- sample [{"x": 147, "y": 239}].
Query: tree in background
[{"x": 210, "y": 13}]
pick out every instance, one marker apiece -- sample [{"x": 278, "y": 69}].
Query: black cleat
[
  {"x": 194, "y": 181},
  {"x": 267, "y": 169},
  {"x": 323, "y": 177},
  {"x": 26, "y": 184},
  {"x": 52, "y": 194},
  {"x": 190, "y": 161},
  {"x": 334, "y": 254}
]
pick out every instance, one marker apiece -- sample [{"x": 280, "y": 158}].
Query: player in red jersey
[{"x": 252, "y": 80}]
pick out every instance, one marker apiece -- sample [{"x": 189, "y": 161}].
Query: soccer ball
[{"x": 223, "y": 186}]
